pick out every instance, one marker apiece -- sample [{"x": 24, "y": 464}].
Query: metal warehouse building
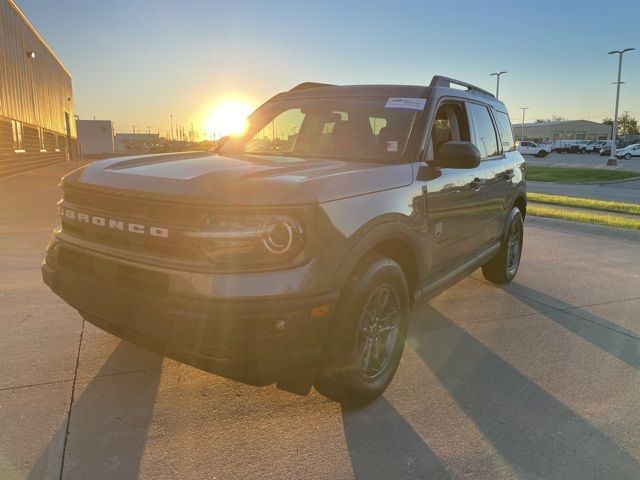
[
  {"x": 37, "y": 124},
  {"x": 563, "y": 130}
]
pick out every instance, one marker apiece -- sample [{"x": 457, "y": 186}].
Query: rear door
[{"x": 494, "y": 172}]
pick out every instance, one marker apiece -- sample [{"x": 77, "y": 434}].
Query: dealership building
[
  {"x": 37, "y": 124},
  {"x": 544, "y": 132}
]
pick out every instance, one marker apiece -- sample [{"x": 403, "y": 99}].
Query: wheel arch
[
  {"x": 521, "y": 204},
  {"x": 395, "y": 241}
]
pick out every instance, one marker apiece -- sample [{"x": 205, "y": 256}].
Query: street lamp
[
  {"x": 522, "y": 128},
  {"x": 497, "y": 74},
  {"x": 612, "y": 159}
]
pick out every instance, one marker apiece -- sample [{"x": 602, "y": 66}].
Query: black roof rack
[
  {"x": 306, "y": 85},
  {"x": 439, "y": 81}
]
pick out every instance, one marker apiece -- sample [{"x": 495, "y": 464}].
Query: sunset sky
[{"x": 135, "y": 62}]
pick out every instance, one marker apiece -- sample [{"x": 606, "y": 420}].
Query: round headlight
[
  {"x": 278, "y": 237},
  {"x": 241, "y": 242}
]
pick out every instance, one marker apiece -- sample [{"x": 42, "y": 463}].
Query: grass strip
[
  {"x": 584, "y": 217},
  {"x": 576, "y": 175},
  {"x": 603, "y": 205}
]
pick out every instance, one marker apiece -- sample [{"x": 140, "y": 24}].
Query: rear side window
[
  {"x": 505, "y": 131},
  {"x": 483, "y": 133}
]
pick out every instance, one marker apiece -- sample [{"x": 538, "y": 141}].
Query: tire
[
  {"x": 503, "y": 267},
  {"x": 584, "y": 150},
  {"x": 627, "y": 156},
  {"x": 366, "y": 338},
  {"x": 542, "y": 154}
]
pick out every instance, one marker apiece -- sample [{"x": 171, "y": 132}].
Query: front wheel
[
  {"x": 542, "y": 154},
  {"x": 366, "y": 339},
  {"x": 503, "y": 267},
  {"x": 627, "y": 156}
]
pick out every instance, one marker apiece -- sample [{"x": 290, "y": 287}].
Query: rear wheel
[
  {"x": 367, "y": 335},
  {"x": 503, "y": 267},
  {"x": 542, "y": 154}
]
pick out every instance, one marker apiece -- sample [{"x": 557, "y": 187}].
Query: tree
[
  {"x": 554, "y": 118},
  {"x": 626, "y": 124}
]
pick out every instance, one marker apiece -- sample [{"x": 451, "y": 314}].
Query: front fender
[{"x": 361, "y": 223}]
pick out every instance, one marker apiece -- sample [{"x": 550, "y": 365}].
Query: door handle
[
  {"x": 509, "y": 174},
  {"x": 477, "y": 183}
]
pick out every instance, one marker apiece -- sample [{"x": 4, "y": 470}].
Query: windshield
[{"x": 342, "y": 127}]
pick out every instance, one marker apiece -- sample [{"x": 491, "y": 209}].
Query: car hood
[{"x": 207, "y": 178}]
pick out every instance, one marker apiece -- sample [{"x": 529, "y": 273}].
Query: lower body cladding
[{"x": 258, "y": 342}]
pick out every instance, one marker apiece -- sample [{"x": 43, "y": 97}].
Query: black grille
[{"x": 175, "y": 218}]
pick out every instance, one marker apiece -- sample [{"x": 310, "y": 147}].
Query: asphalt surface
[
  {"x": 586, "y": 160},
  {"x": 535, "y": 380}
]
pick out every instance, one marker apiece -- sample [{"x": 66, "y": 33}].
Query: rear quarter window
[{"x": 505, "y": 131}]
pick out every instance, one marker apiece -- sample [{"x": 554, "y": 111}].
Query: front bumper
[{"x": 258, "y": 341}]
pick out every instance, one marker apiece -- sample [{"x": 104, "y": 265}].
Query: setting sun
[{"x": 228, "y": 118}]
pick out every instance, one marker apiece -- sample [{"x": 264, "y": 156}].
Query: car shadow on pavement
[
  {"x": 109, "y": 420},
  {"x": 539, "y": 436},
  {"x": 610, "y": 337},
  {"x": 382, "y": 445}
]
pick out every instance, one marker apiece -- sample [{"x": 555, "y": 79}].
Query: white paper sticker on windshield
[
  {"x": 408, "y": 103},
  {"x": 392, "y": 146}
]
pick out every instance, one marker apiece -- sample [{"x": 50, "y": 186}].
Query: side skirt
[{"x": 432, "y": 288}]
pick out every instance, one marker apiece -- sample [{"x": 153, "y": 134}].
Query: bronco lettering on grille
[{"x": 115, "y": 224}]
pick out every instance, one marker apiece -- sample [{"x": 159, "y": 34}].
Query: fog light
[{"x": 279, "y": 324}]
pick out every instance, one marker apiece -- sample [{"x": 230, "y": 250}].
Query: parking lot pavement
[
  {"x": 582, "y": 160},
  {"x": 538, "y": 379}
]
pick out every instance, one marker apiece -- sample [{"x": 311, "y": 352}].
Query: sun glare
[{"x": 228, "y": 117}]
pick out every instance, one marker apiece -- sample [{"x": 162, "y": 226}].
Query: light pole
[
  {"x": 612, "y": 159},
  {"x": 171, "y": 116},
  {"x": 497, "y": 74},
  {"x": 522, "y": 128}
]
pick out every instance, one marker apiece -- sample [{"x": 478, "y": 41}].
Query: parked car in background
[
  {"x": 628, "y": 152},
  {"x": 605, "y": 148},
  {"x": 565, "y": 146},
  {"x": 532, "y": 148},
  {"x": 592, "y": 147}
]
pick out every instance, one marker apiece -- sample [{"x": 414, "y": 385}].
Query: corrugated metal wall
[{"x": 36, "y": 91}]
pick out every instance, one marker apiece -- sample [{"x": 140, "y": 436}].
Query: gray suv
[{"x": 294, "y": 252}]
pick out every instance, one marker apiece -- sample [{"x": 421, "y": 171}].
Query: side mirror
[{"x": 457, "y": 155}]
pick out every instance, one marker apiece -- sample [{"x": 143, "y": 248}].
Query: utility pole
[
  {"x": 171, "y": 116},
  {"x": 497, "y": 74},
  {"x": 612, "y": 159},
  {"x": 522, "y": 128},
  {"x": 134, "y": 130}
]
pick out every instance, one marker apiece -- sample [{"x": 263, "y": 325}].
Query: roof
[
  {"x": 359, "y": 91},
  {"x": 408, "y": 91},
  {"x": 26, "y": 21}
]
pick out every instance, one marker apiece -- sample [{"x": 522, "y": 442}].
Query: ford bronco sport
[{"x": 294, "y": 252}]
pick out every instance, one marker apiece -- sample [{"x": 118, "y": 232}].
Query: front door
[{"x": 453, "y": 196}]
